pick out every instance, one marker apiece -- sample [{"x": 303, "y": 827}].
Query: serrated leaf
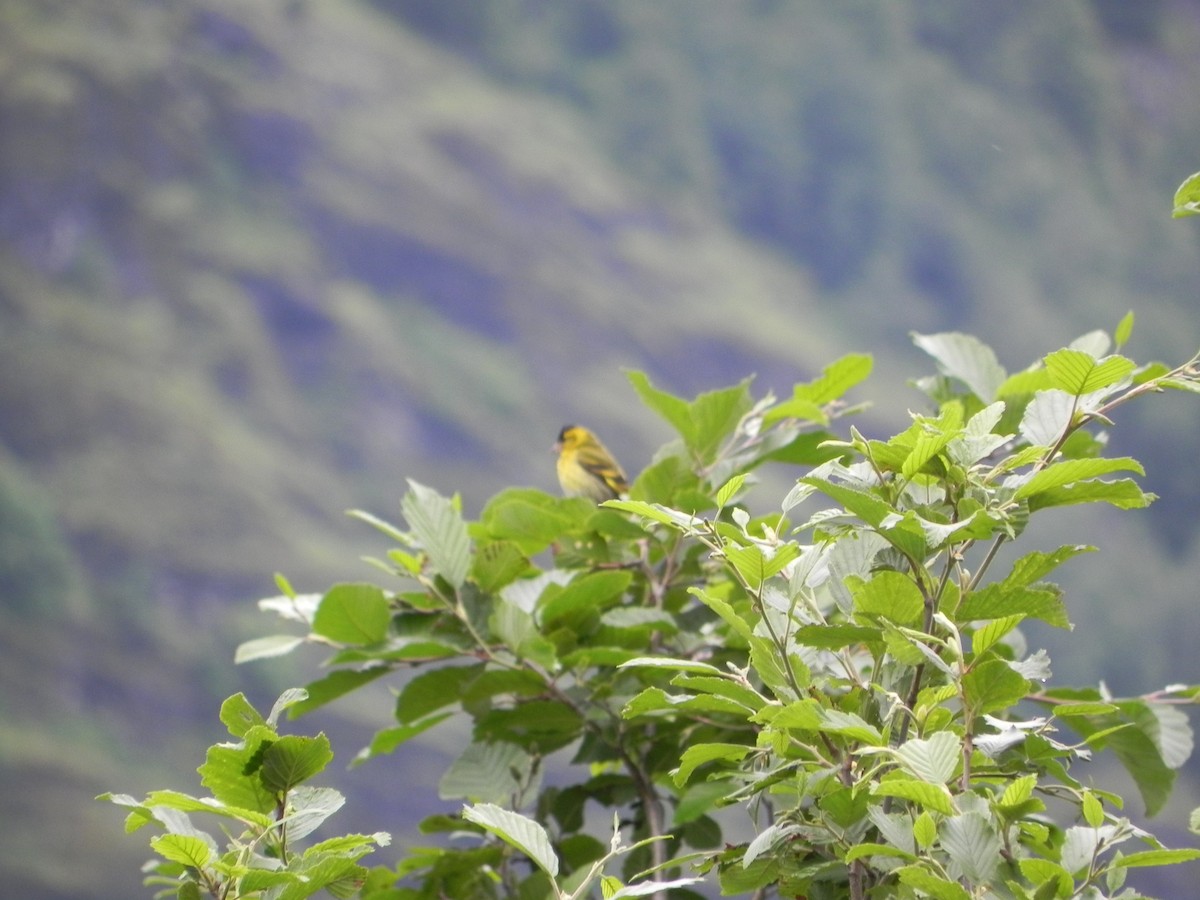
[
  {"x": 239, "y": 716},
  {"x": 933, "y": 797},
  {"x": 915, "y": 876},
  {"x": 992, "y": 686},
  {"x": 308, "y": 807},
  {"x": 1124, "y": 329},
  {"x": 518, "y": 831},
  {"x": 862, "y": 851},
  {"x": 1093, "y": 809},
  {"x": 932, "y": 436},
  {"x": 334, "y": 685},
  {"x": 230, "y": 773},
  {"x": 835, "y": 721},
  {"x": 186, "y": 850},
  {"x": 966, "y": 358},
  {"x": 725, "y": 610},
  {"x": 489, "y": 772},
  {"x": 1157, "y": 858},
  {"x": 1170, "y": 730},
  {"x": 440, "y": 531},
  {"x": 590, "y": 593},
  {"x": 1046, "y": 417},
  {"x": 756, "y": 565},
  {"x": 730, "y": 489},
  {"x": 1018, "y": 791},
  {"x": 646, "y": 888},
  {"x": 698, "y": 755},
  {"x": 889, "y": 595},
  {"x": 1075, "y": 470},
  {"x": 705, "y": 422},
  {"x": 266, "y": 647},
  {"x": 924, "y": 830},
  {"x": 1124, "y": 493},
  {"x": 433, "y": 690},
  {"x": 293, "y": 759},
  {"x": 353, "y": 614},
  {"x": 1078, "y": 372},
  {"x": 1187, "y": 197},
  {"x": 933, "y": 759},
  {"x": 1000, "y": 599},
  {"x": 972, "y": 845},
  {"x": 388, "y": 739},
  {"x": 666, "y": 662},
  {"x": 988, "y": 634}
]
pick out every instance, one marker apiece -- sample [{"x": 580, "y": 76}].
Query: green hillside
[{"x": 259, "y": 263}]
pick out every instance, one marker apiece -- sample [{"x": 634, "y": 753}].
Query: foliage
[
  {"x": 258, "y": 794},
  {"x": 847, "y": 673}
]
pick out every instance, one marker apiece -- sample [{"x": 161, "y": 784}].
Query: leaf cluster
[{"x": 832, "y": 699}]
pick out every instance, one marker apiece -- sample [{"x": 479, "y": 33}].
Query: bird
[{"x": 586, "y": 468}]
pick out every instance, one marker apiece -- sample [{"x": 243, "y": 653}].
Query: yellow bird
[{"x": 586, "y": 468}]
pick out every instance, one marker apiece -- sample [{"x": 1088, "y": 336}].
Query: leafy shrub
[{"x": 843, "y": 680}]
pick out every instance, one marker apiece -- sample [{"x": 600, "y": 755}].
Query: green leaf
[
  {"x": 388, "y": 739},
  {"x": 730, "y": 489},
  {"x": 1124, "y": 329},
  {"x": 835, "y": 637},
  {"x": 590, "y": 593},
  {"x": 754, "y": 563},
  {"x": 266, "y": 647},
  {"x": 439, "y": 529},
  {"x": 186, "y": 850},
  {"x": 309, "y": 807},
  {"x": 933, "y": 759},
  {"x": 834, "y": 721},
  {"x": 727, "y": 687},
  {"x": 516, "y": 630},
  {"x": 999, "y": 599},
  {"x": 1187, "y": 197},
  {"x": 932, "y": 437},
  {"x": 991, "y": 686},
  {"x": 666, "y": 662},
  {"x": 924, "y": 830},
  {"x": 239, "y": 716},
  {"x": 725, "y": 610},
  {"x": 497, "y": 563},
  {"x": 1157, "y": 858},
  {"x": 705, "y": 422},
  {"x": 518, "y": 831},
  {"x": 835, "y": 380},
  {"x": 1078, "y": 372},
  {"x": 966, "y": 358},
  {"x": 293, "y": 759},
  {"x": 433, "y": 690},
  {"x": 987, "y": 635},
  {"x": 1037, "y": 565},
  {"x": 889, "y": 594},
  {"x": 1074, "y": 470},
  {"x": 861, "y": 851},
  {"x": 935, "y": 797},
  {"x": 916, "y": 876},
  {"x": 1124, "y": 493},
  {"x": 334, "y": 685},
  {"x": 972, "y": 845},
  {"x": 230, "y": 772},
  {"x": 353, "y": 614},
  {"x": 532, "y": 519},
  {"x": 490, "y": 772},
  {"x": 698, "y": 755}
]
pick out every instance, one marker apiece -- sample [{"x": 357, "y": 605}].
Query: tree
[{"x": 847, "y": 671}]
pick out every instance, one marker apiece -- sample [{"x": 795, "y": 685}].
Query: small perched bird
[{"x": 586, "y": 468}]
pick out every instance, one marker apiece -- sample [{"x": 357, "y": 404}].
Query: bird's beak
[{"x": 557, "y": 448}]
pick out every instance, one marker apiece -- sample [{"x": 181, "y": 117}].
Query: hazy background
[{"x": 260, "y": 262}]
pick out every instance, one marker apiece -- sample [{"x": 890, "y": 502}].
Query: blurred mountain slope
[{"x": 261, "y": 262}]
